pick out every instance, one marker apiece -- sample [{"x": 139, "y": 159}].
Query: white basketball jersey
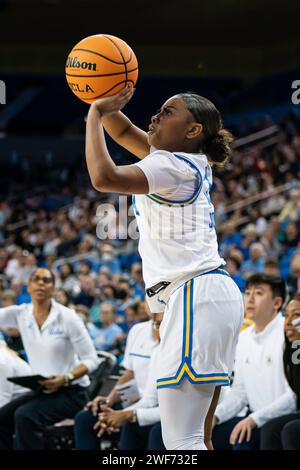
[{"x": 177, "y": 235}]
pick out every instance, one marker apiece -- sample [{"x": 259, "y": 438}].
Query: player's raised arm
[
  {"x": 119, "y": 126},
  {"x": 105, "y": 175},
  {"x": 126, "y": 134}
]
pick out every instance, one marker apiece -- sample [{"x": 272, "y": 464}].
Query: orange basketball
[{"x": 100, "y": 65}]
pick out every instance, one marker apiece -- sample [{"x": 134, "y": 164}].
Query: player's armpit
[{"x": 127, "y": 179}]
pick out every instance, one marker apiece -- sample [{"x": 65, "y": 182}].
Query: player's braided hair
[{"x": 216, "y": 140}]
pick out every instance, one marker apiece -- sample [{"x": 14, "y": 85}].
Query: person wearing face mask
[
  {"x": 108, "y": 260},
  {"x": 283, "y": 433}
]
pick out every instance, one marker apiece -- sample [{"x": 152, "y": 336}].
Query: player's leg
[
  {"x": 209, "y": 419},
  {"x": 183, "y": 411}
]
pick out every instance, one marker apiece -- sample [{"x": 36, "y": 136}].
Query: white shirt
[
  {"x": 59, "y": 346},
  {"x": 139, "y": 346},
  {"x": 177, "y": 241},
  {"x": 11, "y": 366},
  {"x": 18, "y": 273},
  {"x": 259, "y": 379},
  {"x": 147, "y": 410}
]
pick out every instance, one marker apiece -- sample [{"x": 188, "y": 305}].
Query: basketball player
[{"x": 183, "y": 272}]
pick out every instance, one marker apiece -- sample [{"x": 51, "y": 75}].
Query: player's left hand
[
  {"x": 242, "y": 431},
  {"x": 113, "y": 104}
]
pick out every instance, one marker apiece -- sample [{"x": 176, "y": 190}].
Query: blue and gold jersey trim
[
  {"x": 184, "y": 202},
  {"x": 185, "y": 369}
]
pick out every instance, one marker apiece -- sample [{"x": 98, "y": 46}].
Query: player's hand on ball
[{"x": 113, "y": 104}]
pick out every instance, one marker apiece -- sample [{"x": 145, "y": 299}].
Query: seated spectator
[
  {"x": 131, "y": 315},
  {"x": 108, "y": 294},
  {"x": 12, "y": 335},
  {"x": 140, "y": 343},
  {"x": 11, "y": 366},
  {"x": 271, "y": 267},
  {"x": 85, "y": 268},
  {"x": 69, "y": 240},
  {"x": 14, "y": 267},
  {"x": 124, "y": 295},
  {"x": 270, "y": 243},
  {"x": 21, "y": 266},
  {"x": 8, "y": 297},
  {"x": 62, "y": 297},
  {"x": 59, "y": 348},
  {"x": 67, "y": 280},
  {"x": 257, "y": 219},
  {"x": 83, "y": 312},
  {"x": 256, "y": 263},
  {"x": 283, "y": 433},
  {"x": 290, "y": 238},
  {"x": 294, "y": 278},
  {"x": 20, "y": 289},
  {"x": 106, "y": 337},
  {"x": 233, "y": 266},
  {"x": 259, "y": 380},
  {"x": 291, "y": 210},
  {"x": 86, "y": 295},
  {"x": 231, "y": 238},
  {"x": 87, "y": 246},
  {"x": 52, "y": 242},
  {"x": 138, "y": 421},
  {"x": 249, "y": 237},
  {"x": 143, "y": 311},
  {"x": 108, "y": 259},
  {"x": 103, "y": 279},
  {"x": 137, "y": 280}
]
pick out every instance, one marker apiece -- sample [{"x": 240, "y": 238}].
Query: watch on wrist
[
  {"x": 69, "y": 378},
  {"x": 134, "y": 416}
]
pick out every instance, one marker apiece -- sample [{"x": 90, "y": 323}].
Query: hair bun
[{"x": 218, "y": 148}]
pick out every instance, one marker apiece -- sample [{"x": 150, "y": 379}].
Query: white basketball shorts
[{"x": 200, "y": 330}]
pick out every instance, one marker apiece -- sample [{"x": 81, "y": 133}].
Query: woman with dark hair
[
  {"x": 60, "y": 351},
  {"x": 67, "y": 280},
  {"x": 182, "y": 269},
  {"x": 283, "y": 433}
]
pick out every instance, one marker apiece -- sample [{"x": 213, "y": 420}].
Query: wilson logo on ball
[{"x": 74, "y": 63}]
